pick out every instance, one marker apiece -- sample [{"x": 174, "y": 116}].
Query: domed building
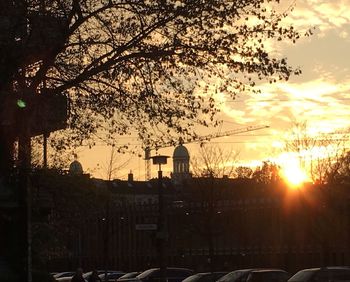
[
  {"x": 181, "y": 164},
  {"x": 75, "y": 167}
]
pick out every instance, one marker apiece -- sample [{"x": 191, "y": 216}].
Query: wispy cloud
[{"x": 324, "y": 15}]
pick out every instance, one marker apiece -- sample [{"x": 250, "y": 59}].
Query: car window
[
  {"x": 282, "y": 276},
  {"x": 193, "y": 278},
  {"x": 321, "y": 276},
  {"x": 302, "y": 276},
  {"x": 211, "y": 277},
  {"x": 129, "y": 275},
  {"x": 267, "y": 276},
  {"x": 114, "y": 275},
  {"x": 235, "y": 276},
  {"x": 64, "y": 274},
  {"x": 174, "y": 279},
  {"x": 339, "y": 275},
  {"x": 148, "y": 273}
]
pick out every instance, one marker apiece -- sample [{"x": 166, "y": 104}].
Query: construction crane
[{"x": 200, "y": 139}]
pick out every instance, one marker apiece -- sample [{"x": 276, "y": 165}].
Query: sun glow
[{"x": 292, "y": 172}]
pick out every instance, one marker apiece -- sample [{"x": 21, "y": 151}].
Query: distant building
[
  {"x": 75, "y": 167},
  {"x": 131, "y": 192},
  {"x": 181, "y": 165}
]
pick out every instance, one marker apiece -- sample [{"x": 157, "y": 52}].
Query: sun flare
[{"x": 292, "y": 173}]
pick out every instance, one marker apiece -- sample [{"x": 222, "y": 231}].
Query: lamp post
[{"x": 161, "y": 231}]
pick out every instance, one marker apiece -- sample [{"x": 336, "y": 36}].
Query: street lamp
[{"x": 161, "y": 232}]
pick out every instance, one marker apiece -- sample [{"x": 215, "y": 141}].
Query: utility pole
[
  {"x": 24, "y": 157},
  {"x": 161, "y": 230},
  {"x": 45, "y": 136},
  {"x": 211, "y": 223},
  {"x": 106, "y": 239}
]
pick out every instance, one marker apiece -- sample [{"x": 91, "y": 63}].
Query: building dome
[
  {"x": 181, "y": 164},
  {"x": 181, "y": 152},
  {"x": 76, "y": 168}
]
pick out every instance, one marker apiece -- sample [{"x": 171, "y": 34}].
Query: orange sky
[{"x": 319, "y": 96}]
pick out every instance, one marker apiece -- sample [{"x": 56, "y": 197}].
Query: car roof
[
  {"x": 268, "y": 270},
  {"x": 149, "y": 271},
  {"x": 130, "y": 274},
  {"x": 212, "y": 272},
  {"x": 172, "y": 268},
  {"x": 325, "y": 267},
  {"x": 229, "y": 276},
  {"x": 64, "y": 273}
]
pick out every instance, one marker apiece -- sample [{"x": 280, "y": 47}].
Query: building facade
[{"x": 228, "y": 224}]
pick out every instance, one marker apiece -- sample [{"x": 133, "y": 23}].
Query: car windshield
[
  {"x": 234, "y": 276},
  {"x": 302, "y": 276},
  {"x": 267, "y": 276},
  {"x": 340, "y": 274},
  {"x": 193, "y": 278},
  {"x": 211, "y": 277},
  {"x": 146, "y": 273},
  {"x": 63, "y": 274}
]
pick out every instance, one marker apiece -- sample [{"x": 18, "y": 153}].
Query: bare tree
[
  {"x": 113, "y": 165},
  {"x": 214, "y": 161},
  {"x": 318, "y": 155}
]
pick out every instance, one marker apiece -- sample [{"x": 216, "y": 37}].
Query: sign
[{"x": 150, "y": 226}]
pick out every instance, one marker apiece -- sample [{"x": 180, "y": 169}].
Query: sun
[{"x": 292, "y": 173}]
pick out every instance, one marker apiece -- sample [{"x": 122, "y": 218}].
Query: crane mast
[{"x": 199, "y": 139}]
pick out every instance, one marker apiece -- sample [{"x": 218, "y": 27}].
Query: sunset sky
[{"x": 320, "y": 95}]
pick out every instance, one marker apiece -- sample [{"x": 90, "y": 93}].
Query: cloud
[
  {"x": 324, "y": 15},
  {"x": 323, "y": 103},
  {"x": 323, "y": 99}
]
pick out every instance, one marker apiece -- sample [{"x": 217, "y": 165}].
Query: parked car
[
  {"x": 85, "y": 275},
  {"x": 101, "y": 273},
  {"x": 268, "y": 275},
  {"x": 112, "y": 276},
  {"x": 204, "y": 277},
  {"x": 128, "y": 276},
  {"x": 63, "y": 274},
  {"x": 65, "y": 278},
  {"x": 173, "y": 274},
  {"x": 256, "y": 275},
  {"x": 239, "y": 275},
  {"x": 322, "y": 274}
]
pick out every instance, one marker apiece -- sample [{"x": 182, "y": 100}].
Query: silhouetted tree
[
  {"x": 56, "y": 159},
  {"x": 339, "y": 171},
  {"x": 128, "y": 66},
  {"x": 267, "y": 173},
  {"x": 214, "y": 161},
  {"x": 243, "y": 172},
  {"x": 132, "y": 65}
]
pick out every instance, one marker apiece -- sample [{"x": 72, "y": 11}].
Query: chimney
[{"x": 130, "y": 177}]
